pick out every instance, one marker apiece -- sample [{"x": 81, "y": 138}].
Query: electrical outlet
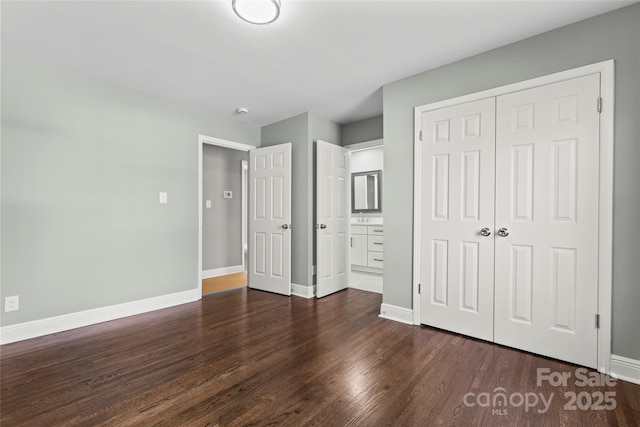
[{"x": 11, "y": 303}]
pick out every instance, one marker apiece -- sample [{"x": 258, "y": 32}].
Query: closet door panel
[
  {"x": 458, "y": 150},
  {"x": 547, "y": 144}
]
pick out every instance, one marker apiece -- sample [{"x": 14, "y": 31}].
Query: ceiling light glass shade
[{"x": 259, "y": 12}]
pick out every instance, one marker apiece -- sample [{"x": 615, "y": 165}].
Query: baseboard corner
[
  {"x": 625, "y": 369},
  {"x": 303, "y": 291},
  {"x": 397, "y": 314}
]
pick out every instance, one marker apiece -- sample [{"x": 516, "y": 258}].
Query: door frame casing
[
  {"x": 245, "y": 209},
  {"x": 605, "y": 188},
  {"x": 209, "y": 140}
]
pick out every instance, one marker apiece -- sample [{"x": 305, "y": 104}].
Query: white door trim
[
  {"x": 203, "y": 139},
  {"x": 245, "y": 207},
  {"x": 366, "y": 145},
  {"x": 605, "y": 219}
]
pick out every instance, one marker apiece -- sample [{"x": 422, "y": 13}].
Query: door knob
[
  {"x": 287, "y": 226},
  {"x": 503, "y": 232},
  {"x": 485, "y": 232},
  {"x": 321, "y": 226}
]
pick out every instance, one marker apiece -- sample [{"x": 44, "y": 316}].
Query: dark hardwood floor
[{"x": 247, "y": 357}]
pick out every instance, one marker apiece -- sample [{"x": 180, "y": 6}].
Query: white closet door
[
  {"x": 546, "y": 289},
  {"x": 457, "y": 189}
]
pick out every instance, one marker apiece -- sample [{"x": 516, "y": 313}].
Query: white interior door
[
  {"x": 333, "y": 218},
  {"x": 270, "y": 219},
  {"x": 546, "y": 284},
  {"x": 457, "y": 203}
]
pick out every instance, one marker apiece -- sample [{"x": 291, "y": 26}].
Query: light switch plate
[
  {"x": 207, "y": 204},
  {"x": 163, "y": 197}
]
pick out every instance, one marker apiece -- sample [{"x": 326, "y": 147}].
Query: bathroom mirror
[{"x": 366, "y": 192}]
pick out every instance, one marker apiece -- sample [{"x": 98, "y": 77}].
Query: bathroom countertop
[{"x": 366, "y": 221}]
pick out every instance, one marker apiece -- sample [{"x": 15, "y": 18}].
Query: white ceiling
[{"x": 327, "y": 57}]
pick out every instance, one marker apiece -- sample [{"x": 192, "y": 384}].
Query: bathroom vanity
[{"x": 367, "y": 242}]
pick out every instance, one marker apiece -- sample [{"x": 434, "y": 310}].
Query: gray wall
[
  {"x": 302, "y": 130},
  {"x": 362, "y": 130},
  {"x": 83, "y": 162},
  {"x": 222, "y": 223},
  {"x": 324, "y": 129},
  {"x": 614, "y": 35},
  {"x": 296, "y": 131}
]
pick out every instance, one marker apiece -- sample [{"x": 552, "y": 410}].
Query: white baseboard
[
  {"x": 365, "y": 269},
  {"x": 208, "y": 274},
  {"x": 65, "y": 322},
  {"x": 303, "y": 291},
  {"x": 625, "y": 369},
  {"x": 377, "y": 288},
  {"x": 398, "y": 314}
]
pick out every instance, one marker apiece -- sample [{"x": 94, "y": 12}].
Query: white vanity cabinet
[
  {"x": 359, "y": 244},
  {"x": 367, "y": 247}
]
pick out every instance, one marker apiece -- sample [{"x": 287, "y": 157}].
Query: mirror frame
[{"x": 353, "y": 192}]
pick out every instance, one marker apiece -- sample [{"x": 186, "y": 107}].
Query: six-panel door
[
  {"x": 544, "y": 295},
  {"x": 333, "y": 216},
  {"x": 457, "y": 203},
  {"x": 547, "y": 142},
  {"x": 270, "y": 219}
]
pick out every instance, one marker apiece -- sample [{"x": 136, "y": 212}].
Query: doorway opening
[
  {"x": 222, "y": 214},
  {"x": 367, "y": 225}
]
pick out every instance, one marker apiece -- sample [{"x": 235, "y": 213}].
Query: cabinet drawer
[
  {"x": 375, "y": 260},
  {"x": 376, "y": 230},
  {"x": 358, "y": 229},
  {"x": 375, "y": 243}
]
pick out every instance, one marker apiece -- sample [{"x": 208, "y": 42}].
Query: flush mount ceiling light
[{"x": 259, "y": 12}]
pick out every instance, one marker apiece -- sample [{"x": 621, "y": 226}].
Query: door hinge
[
  {"x": 352, "y": 242},
  {"x": 599, "y": 105},
  {"x": 420, "y": 135},
  {"x": 597, "y": 321},
  {"x": 419, "y": 288}
]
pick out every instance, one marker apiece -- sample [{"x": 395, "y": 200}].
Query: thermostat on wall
[{"x": 227, "y": 194}]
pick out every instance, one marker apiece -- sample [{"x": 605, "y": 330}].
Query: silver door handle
[
  {"x": 503, "y": 232},
  {"x": 321, "y": 226},
  {"x": 287, "y": 226},
  {"x": 485, "y": 232}
]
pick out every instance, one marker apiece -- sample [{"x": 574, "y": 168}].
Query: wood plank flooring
[
  {"x": 224, "y": 283},
  {"x": 250, "y": 358}
]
